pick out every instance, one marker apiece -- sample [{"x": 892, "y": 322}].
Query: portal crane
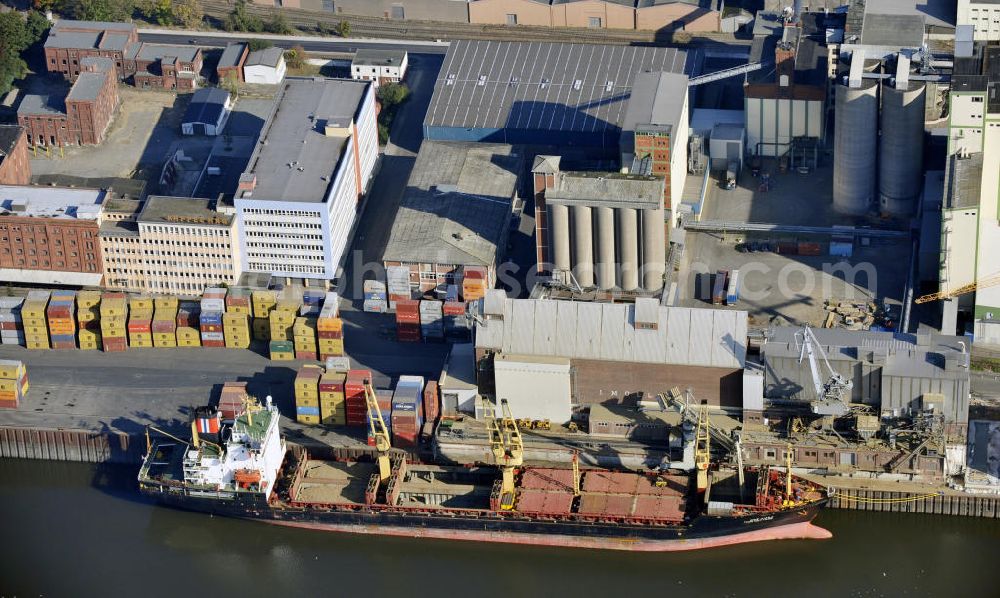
[
  {"x": 982, "y": 283},
  {"x": 508, "y": 452},
  {"x": 379, "y": 432},
  {"x": 833, "y": 394},
  {"x": 702, "y": 448}
]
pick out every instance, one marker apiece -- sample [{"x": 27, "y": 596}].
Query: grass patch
[{"x": 985, "y": 364}]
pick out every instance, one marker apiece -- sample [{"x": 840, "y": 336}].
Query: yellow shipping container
[
  {"x": 331, "y": 346},
  {"x": 261, "y": 329},
  {"x": 11, "y": 371},
  {"x": 330, "y": 324},
  {"x": 38, "y": 344},
  {"x": 263, "y": 302},
  {"x": 141, "y": 302},
  {"x": 306, "y": 401},
  {"x": 33, "y": 309},
  {"x": 282, "y": 356},
  {"x": 164, "y": 339},
  {"x": 189, "y": 342},
  {"x": 88, "y": 345},
  {"x": 113, "y": 307},
  {"x": 238, "y": 309},
  {"x": 87, "y": 299},
  {"x": 166, "y": 302},
  {"x": 87, "y": 314},
  {"x": 333, "y": 419},
  {"x": 311, "y": 420},
  {"x": 36, "y": 330}
]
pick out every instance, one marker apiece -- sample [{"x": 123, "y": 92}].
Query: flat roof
[
  {"x": 658, "y": 98},
  {"x": 607, "y": 188},
  {"x": 49, "y": 104},
  {"x": 72, "y": 39},
  {"x": 207, "y": 105},
  {"x": 378, "y": 57},
  {"x": 606, "y": 331},
  {"x": 457, "y": 204},
  {"x": 160, "y": 209},
  {"x": 87, "y": 87},
  {"x": 9, "y": 134},
  {"x": 51, "y": 202},
  {"x": 897, "y": 31},
  {"x": 232, "y": 54},
  {"x": 98, "y": 25},
  {"x": 294, "y": 135},
  {"x": 266, "y": 57},
  {"x": 936, "y": 13},
  {"x": 121, "y": 188},
  {"x": 154, "y": 52},
  {"x": 114, "y": 41},
  {"x": 541, "y": 86},
  {"x": 966, "y": 178}
]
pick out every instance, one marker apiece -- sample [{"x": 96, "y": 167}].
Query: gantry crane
[
  {"x": 982, "y": 283},
  {"x": 833, "y": 395},
  {"x": 379, "y": 432},
  {"x": 702, "y": 448},
  {"x": 508, "y": 452}
]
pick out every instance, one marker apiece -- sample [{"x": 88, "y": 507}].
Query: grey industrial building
[
  {"x": 605, "y": 227},
  {"x": 898, "y": 375},
  {"x": 455, "y": 211},
  {"x": 616, "y": 352},
  {"x": 540, "y": 93}
]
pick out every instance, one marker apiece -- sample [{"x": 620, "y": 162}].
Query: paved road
[{"x": 309, "y": 43}]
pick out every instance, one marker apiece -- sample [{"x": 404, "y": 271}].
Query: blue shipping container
[{"x": 307, "y": 410}]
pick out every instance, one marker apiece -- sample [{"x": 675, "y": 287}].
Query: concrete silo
[
  {"x": 559, "y": 236},
  {"x": 628, "y": 248},
  {"x": 583, "y": 246},
  {"x": 653, "y": 249},
  {"x": 901, "y": 148},
  {"x": 855, "y": 145},
  {"x": 605, "y": 248}
]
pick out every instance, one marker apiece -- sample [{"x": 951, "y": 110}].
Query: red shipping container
[
  {"x": 8, "y": 326},
  {"x": 112, "y": 295},
  {"x": 404, "y": 440},
  {"x": 306, "y": 355},
  {"x": 211, "y": 328},
  {"x": 114, "y": 345},
  {"x": 809, "y": 248},
  {"x": 164, "y": 326},
  {"x": 8, "y": 404},
  {"x": 205, "y": 343},
  {"x": 476, "y": 272},
  {"x": 334, "y": 334},
  {"x": 63, "y": 344},
  {"x": 408, "y": 305},
  {"x": 454, "y": 308},
  {"x": 138, "y": 325},
  {"x": 432, "y": 405}
]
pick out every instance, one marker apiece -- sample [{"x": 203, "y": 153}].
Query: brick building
[
  {"x": 82, "y": 116},
  {"x": 71, "y": 41},
  {"x": 49, "y": 235},
  {"x": 15, "y": 167},
  {"x": 162, "y": 66},
  {"x": 232, "y": 60}
]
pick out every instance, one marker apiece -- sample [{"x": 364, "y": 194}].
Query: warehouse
[
  {"x": 540, "y": 93},
  {"x": 265, "y": 67},
  {"x": 455, "y": 212},
  {"x": 298, "y": 198},
  {"x": 207, "y": 113},
  {"x": 893, "y": 373},
  {"x": 616, "y": 352}
]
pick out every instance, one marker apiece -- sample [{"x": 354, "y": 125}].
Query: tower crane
[
  {"x": 833, "y": 394},
  {"x": 982, "y": 283},
  {"x": 379, "y": 432},
  {"x": 508, "y": 452}
]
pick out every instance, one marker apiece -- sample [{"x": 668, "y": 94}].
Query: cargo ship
[{"x": 243, "y": 468}]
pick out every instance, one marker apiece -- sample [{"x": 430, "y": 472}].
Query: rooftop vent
[
  {"x": 577, "y": 84},
  {"x": 450, "y": 80},
  {"x": 482, "y": 80}
]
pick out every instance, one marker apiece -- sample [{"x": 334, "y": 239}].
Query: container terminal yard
[{"x": 655, "y": 297}]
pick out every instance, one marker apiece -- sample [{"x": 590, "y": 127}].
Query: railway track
[{"x": 308, "y": 21}]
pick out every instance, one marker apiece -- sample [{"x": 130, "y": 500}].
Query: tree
[
  {"x": 343, "y": 29},
  {"x": 37, "y": 25},
  {"x": 392, "y": 94},
  {"x": 188, "y": 13},
  {"x": 100, "y": 10},
  {"x": 158, "y": 11},
  {"x": 296, "y": 58},
  {"x": 278, "y": 24},
  {"x": 258, "y": 44},
  {"x": 16, "y": 35},
  {"x": 231, "y": 83},
  {"x": 53, "y": 5},
  {"x": 241, "y": 20}
]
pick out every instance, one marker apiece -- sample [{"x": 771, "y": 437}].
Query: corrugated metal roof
[{"x": 685, "y": 336}]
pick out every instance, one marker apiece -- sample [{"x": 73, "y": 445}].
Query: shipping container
[
  {"x": 719, "y": 287},
  {"x": 733, "y": 289}
]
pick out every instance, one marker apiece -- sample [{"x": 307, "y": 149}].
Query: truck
[
  {"x": 732, "y": 174},
  {"x": 733, "y": 290},
  {"x": 719, "y": 287}
]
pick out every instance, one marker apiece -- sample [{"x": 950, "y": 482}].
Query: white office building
[
  {"x": 379, "y": 66},
  {"x": 298, "y": 199}
]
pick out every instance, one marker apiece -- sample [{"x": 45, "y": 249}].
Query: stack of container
[
  {"x": 114, "y": 314},
  {"x": 332, "y": 408},
  {"x": 330, "y": 328},
  {"x": 11, "y": 326},
  {"x": 140, "y": 322},
  {"x": 238, "y": 300},
  {"x": 408, "y": 321},
  {"x": 13, "y": 383},
  {"x": 36, "y": 330},
  {"x": 375, "y": 297},
  {"x": 188, "y": 324},
  {"x": 473, "y": 283},
  {"x": 236, "y": 330},
  {"x": 304, "y": 336},
  {"x": 452, "y": 293},
  {"x": 164, "y": 324},
  {"x": 282, "y": 321},
  {"x": 432, "y": 403},
  {"x": 281, "y": 350},
  {"x": 88, "y": 316},
  {"x": 398, "y": 284},
  {"x": 61, "y": 318},
  {"x": 456, "y": 324},
  {"x": 384, "y": 399},
  {"x": 232, "y": 400},
  {"x": 263, "y": 302},
  {"x": 407, "y": 411},
  {"x": 354, "y": 397},
  {"x": 431, "y": 320},
  {"x": 307, "y": 395},
  {"x": 213, "y": 305}
]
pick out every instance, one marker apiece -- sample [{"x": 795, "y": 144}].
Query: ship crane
[
  {"x": 982, "y": 283},
  {"x": 833, "y": 394},
  {"x": 379, "y": 432},
  {"x": 508, "y": 452}
]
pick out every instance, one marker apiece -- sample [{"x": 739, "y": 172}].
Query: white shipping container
[
  {"x": 10, "y": 303},
  {"x": 377, "y": 306},
  {"x": 213, "y": 305},
  {"x": 374, "y": 286},
  {"x": 12, "y": 341},
  {"x": 6, "y": 316},
  {"x": 212, "y": 336}
]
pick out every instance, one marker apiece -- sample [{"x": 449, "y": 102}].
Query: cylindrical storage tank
[
  {"x": 901, "y": 149},
  {"x": 855, "y": 141},
  {"x": 583, "y": 246},
  {"x": 605, "y": 248},
  {"x": 628, "y": 249},
  {"x": 559, "y": 236},
  {"x": 653, "y": 249}
]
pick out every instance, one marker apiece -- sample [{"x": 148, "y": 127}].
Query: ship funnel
[{"x": 268, "y": 400}]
